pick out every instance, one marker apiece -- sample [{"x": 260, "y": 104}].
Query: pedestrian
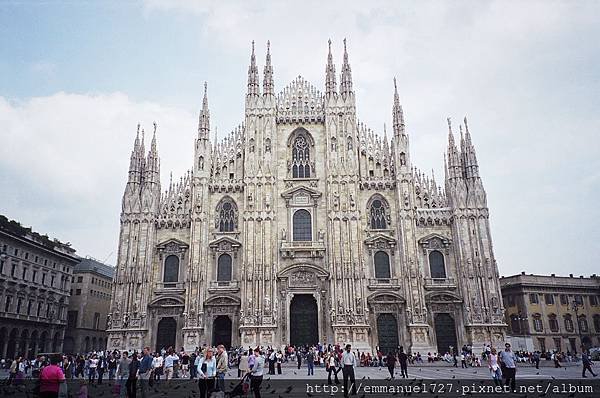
[
  {"x": 310, "y": 363},
  {"x": 131, "y": 384},
  {"x": 332, "y": 367},
  {"x": 391, "y": 363},
  {"x": 508, "y": 362},
  {"x": 52, "y": 378},
  {"x": 145, "y": 370},
  {"x": 157, "y": 366},
  {"x": 403, "y": 359},
  {"x": 279, "y": 360},
  {"x": 185, "y": 365},
  {"x": 272, "y": 360},
  {"x": 92, "y": 365},
  {"x": 243, "y": 365},
  {"x": 298, "y": 358},
  {"x": 256, "y": 374},
  {"x": 169, "y": 364},
  {"x": 101, "y": 369},
  {"x": 495, "y": 367},
  {"x": 207, "y": 371},
  {"x": 349, "y": 363},
  {"x": 222, "y": 365},
  {"x": 123, "y": 374},
  {"x": 463, "y": 360},
  {"x": 587, "y": 362},
  {"x": 112, "y": 366}
]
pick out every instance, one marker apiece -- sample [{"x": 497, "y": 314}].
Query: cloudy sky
[{"x": 76, "y": 78}]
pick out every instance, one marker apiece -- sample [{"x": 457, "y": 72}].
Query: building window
[
  {"x": 78, "y": 292},
  {"x": 437, "y": 267},
  {"x": 300, "y": 158},
  {"x": 377, "y": 215},
  {"x": 564, "y": 299},
  {"x": 1, "y": 266},
  {"x": 553, "y": 323},
  {"x": 549, "y": 298},
  {"x": 583, "y": 324},
  {"x": 29, "y": 306},
  {"x": 537, "y": 323},
  {"x": 510, "y": 300},
  {"x": 579, "y": 299},
  {"x": 47, "y": 310},
  {"x": 16, "y": 251},
  {"x": 224, "y": 268},
  {"x": 594, "y": 300},
  {"x": 542, "y": 344},
  {"x": 7, "y": 303},
  {"x": 171, "y": 269},
  {"x": 39, "y": 309},
  {"x": 44, "y": 279},
  {"x": 533, "y": 298},
  {"x": 96, "y": 320},
  {"x": 568, "y": 323},
  {"x": 79, "y": 279},
  {"x": 302, "y": 225},
  {"x": 227, "y": 211},
  {"x": 52, "y": 281},
  {"x": 382, "y": 265},
  {"x": 13, "y": 270},
  {"x": 597, "y": 323},
  {"x": 33, "y": 276},
  {"x": 515, "y": 324},
  {"x": 557, "y": 344}
]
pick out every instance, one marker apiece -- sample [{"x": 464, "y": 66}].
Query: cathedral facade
[{"x": 304, "y": 226}]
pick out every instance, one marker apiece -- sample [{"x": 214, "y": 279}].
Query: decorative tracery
[
  {"x": 300, "y": 158},
  {"x": 226, "y": 220},
  {"x": 378, "y": 217}
]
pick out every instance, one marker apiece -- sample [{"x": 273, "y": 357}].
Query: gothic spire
[
  {"x": 454, "y": 157},
  {"x": 136, "y": 162},
  {"x": 346, "y": 81},
  {"x": 470, "y": 157},
  {"x": 204, "y": 119},
  {"x": 253, "y": 84},
  {"x": 397, "y": 112},
  {"x": 268, "y": 85},
  {"x": 330, "y": 85}
]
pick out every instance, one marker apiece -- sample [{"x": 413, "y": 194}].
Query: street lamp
[{"x": 575, "y": 308}]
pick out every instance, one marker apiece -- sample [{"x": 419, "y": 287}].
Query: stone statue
[
  {"x": 125, "y": 320},
  {"x": 321, "y": 235},
  {"x": 332, "y": 314},
  {"x": 352, "y": 202},
  {"x": 283, "y": 234},
  {"x": 109, "y": 320}
]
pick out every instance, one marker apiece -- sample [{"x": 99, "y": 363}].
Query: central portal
[
  {"x": 166, "y": 334},
  {"x": 222, "y": 331},
  {"x": 304, "y": 321}
]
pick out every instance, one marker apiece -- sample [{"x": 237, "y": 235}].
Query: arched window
[
  {"x": 224, "y": 268},
  {"x": 300, "y": 158},
  {"x": 568, "y": 323},
  {"x": 436, "y": 265},
  {"x": 382, "y": 265},
  {"x": 583, "y": 324},
  {"x": 171, "y": 270},
  {"x": 302, "y": 225},
  {"x": 377, "y": 215},
  {"x": 597, "y": 323},
  {"x": 553, "y": 323},
  {"x": 227, "y": 216}
]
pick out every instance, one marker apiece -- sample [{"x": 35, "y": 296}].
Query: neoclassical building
[{"x": 304, "y": 226}]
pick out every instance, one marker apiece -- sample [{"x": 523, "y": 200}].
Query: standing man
[
  {"x": 123, "y": 374},
  {"x": 310, "y": 363},
  {"x": 403, "y": 359},
  {"x": 256, "y": 374},
  {"x": 145, "y": 370},
  {"x": 509, "y": 366},
  {"x": 587, "y": 362},
  {"x": 222, "y": 363},
  {"x": 349, "y": 363}
]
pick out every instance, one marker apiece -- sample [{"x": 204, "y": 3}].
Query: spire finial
[
  {"x": 330, "y": 84},
  {"x": 268, "y": 84},
  {"x": 268, "y": 46},
  {"x": 346, "y": 83},
  {"x": 253, "y": 88},
  {"x": 397, "y": 112},
  {"x": 252, "y": 47},
  {"x": 138, "y": 129},
  {"x": 155, "y": 125},
  {"x": 204, "y": 119}
]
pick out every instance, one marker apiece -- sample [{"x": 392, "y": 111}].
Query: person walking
[
  {"x": 101, "y": 369},
  {"x": 222, "y": 365},
  {"x": 131, "y": 384},
  {"x": 508, "y": 362},
  {"x": 51, "y": 378},
  {"x": 112, "y": 366},
  {"x": 495, "y": 367},
  {"x": 122, "y": 373},
  {"x": 207, "y": 371},
  {"x": 145, "y": 370},
  {"x": 157, "y": 366},
  {"x": 587, "y": 362},
  {"x": 169, "y": 364},
  {"x": 536, "y": 359},
  {"x": 403, "y": 359},
  {"x": 256, "y": 374},
  {"x": 279, "y": 359},
  {"x": 332, "y": 367},
  {"x": 243, "y": 365},
  {"x": 93, "y": 364},
  {"x": 310, "y": 363},
  {"x": 390, "y": 361},
  {"x": 349, "y": 363},
  {"x": 298, "y": 358}
]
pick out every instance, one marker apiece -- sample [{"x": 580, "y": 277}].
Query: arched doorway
[
  {"x": 12, "y": 344},
  {"x": 166, "y": 334},
  {"x": 445, "y": 332},
  {"x": 304, "y": 320},
  {"x": 56, "y": 343},
  {"x": 33, "y": 344},
  {"x": 387, "y": 331},
  {"x": 24, "y": 343},
  {"x": 43, "y": 342},
  {"x": 69, "y": 345},
  {"x": 222, "y": 331}
]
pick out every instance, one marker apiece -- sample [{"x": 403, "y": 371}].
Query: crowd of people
[{"x": 133, "y": 371}]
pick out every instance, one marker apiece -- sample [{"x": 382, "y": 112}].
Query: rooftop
[
  {"x": 15, "y": 228},
  {"x": 89, "y": 264}
]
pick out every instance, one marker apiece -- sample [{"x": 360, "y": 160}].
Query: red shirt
[{"x": 50, "y": 378}]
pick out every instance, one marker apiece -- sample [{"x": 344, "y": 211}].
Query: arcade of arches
[{"x": 29, "y": 342}]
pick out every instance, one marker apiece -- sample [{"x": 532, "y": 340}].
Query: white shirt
[
  {"x": 157, "y": 362},
  {"x": 169, "y": 360},
  {"x": 348, "y": 358}
]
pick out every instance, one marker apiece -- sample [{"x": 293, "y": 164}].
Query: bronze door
[{"x": 304, "y": 327}]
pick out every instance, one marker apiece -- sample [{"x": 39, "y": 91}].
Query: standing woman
[
  {"x": 495, "y": 367},
  {"x": 51, "y": 378},
  {"x": 131, "y": 384},
  {"x": 391, "y": 362},
  {"x": 207, "y": 371}
]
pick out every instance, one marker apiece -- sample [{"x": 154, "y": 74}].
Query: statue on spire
[
  {"x": 268, "y": 85},
  {"x": 346, "y": 82},
  {"x": 330, "y": 84}
]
